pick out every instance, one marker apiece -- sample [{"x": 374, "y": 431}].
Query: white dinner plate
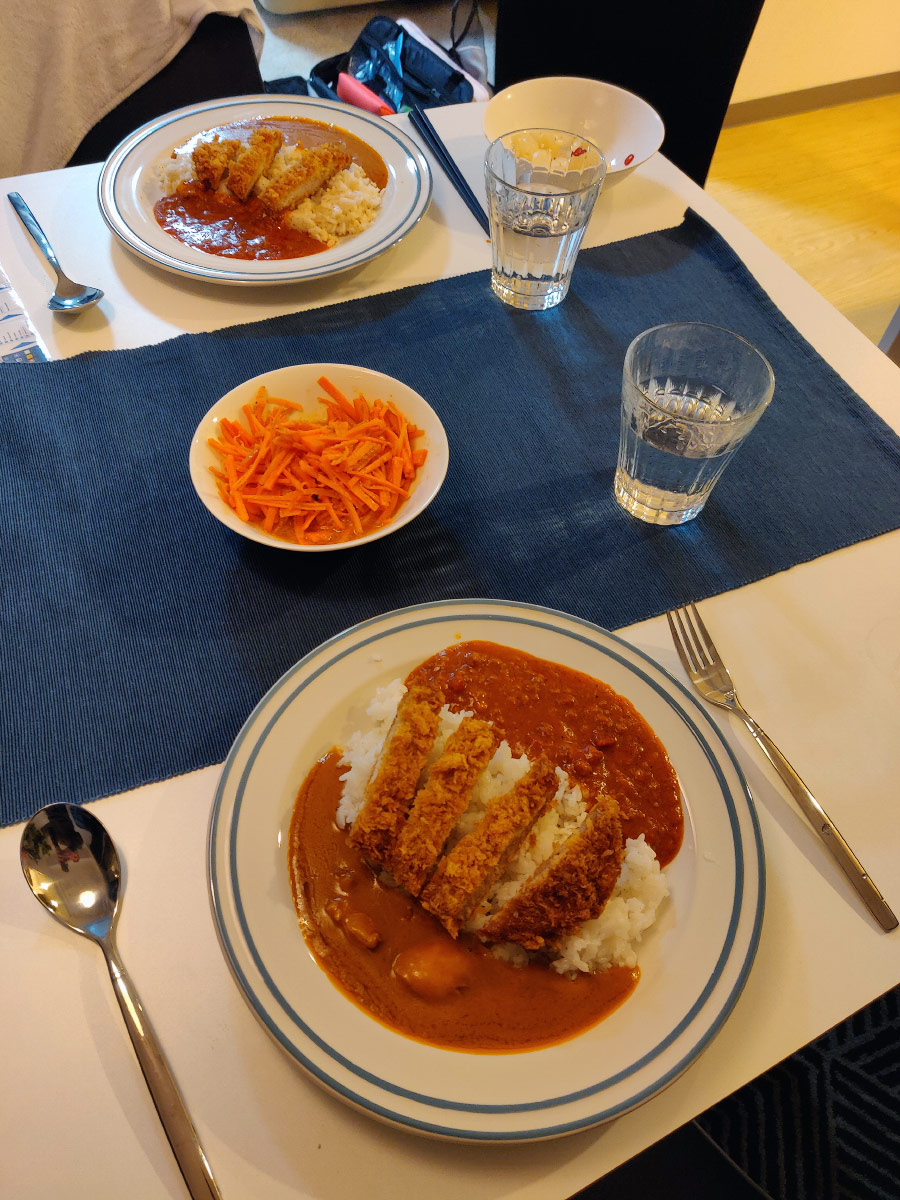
[
  {"x": 694, "y": 961},
  {"x": 129, "y": 188}
]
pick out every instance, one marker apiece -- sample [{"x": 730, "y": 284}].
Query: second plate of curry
[{"x": 130, "y": 191}]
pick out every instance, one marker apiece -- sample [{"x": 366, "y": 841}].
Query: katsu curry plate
[
  {"x": 485, "y": 871},
  {"x": 264, "y": 189}
]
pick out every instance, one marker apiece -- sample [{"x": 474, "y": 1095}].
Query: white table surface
[{"x": 815, "y": 650}]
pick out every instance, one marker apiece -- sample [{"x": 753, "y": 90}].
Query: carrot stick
[
  {"x": 240, "y": 507},
  {"x": 378, "y": 484},
  {"x": 293, "y": 404},
  {"x": 338, "y": 396}
]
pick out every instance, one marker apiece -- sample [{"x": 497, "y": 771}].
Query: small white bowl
[
  {"x": 625, "y": 127},
  {"x": 300, "y": 383}
]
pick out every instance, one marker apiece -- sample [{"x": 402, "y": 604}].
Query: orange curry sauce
[
  {"x": 395, "y": 960},
  {"x": 218, "y": 223}
]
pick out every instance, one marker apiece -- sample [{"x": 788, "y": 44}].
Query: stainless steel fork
[{"x": 711, "y": 678}]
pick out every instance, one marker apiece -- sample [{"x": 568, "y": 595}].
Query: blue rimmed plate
[
  {"x": 694, "y": 961},
  {"x": 129, "y": 187}
]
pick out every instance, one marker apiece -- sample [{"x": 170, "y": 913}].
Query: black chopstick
[{"x": 442, "y": 154}]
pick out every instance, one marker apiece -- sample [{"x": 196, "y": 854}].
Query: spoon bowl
[
  {"x": 73, "y": 869},
  {"x": 72, "y": 866},
  {"x": 69, "y": 296}
]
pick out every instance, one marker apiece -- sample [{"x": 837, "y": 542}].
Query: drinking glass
[
  {"x": 541, "y": 186},
  {"x": 690, "y": 395}
]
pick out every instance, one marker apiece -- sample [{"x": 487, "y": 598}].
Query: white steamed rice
[
  {"x": 347, "y": 205},
  {"x": 610, "y": 939}
]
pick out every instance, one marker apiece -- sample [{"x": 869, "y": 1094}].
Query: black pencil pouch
[{"x": 396, "y": 67}]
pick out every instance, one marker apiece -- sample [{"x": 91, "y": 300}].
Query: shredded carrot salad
[{"x": 314, "y": 482}]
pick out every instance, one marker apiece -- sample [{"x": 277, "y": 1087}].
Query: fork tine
[
  {"x": 693, "y": 643},
  {"x": 692, "y": 638},
  {"x": 685, "y": 643},
  {"x": 711, "y": 650},
  {"x": 677, "y": 641}
]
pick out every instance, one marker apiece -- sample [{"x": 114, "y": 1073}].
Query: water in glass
[
  {"x": 536, "y": 251},
  {"x": 674, "y": 448}
]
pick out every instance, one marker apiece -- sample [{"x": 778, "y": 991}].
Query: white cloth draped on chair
[{"x": 68, "y": 64}]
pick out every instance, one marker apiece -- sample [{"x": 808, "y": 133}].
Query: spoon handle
[
  {"x": 29, "y": 220},
  {"x": 174, "y": 1116}
]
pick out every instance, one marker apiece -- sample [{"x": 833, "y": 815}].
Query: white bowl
[
  {"x": 625, "y": 127},
  {"x": 300, "y": 383}
]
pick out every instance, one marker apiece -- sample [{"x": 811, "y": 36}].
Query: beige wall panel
[{"x": 812, "y": 43}]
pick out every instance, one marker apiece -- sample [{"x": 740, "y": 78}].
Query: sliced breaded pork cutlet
[
  {"x": 253, "y": 158},
  {"x": 465, "y": 875},
  {"x": 212, "y": 159},
  {"x": 441, "y": 801},
  {"x": 308, "y": 172},
  {"x": 395, "y": 777},
  {"x": 572, "y": 887}
]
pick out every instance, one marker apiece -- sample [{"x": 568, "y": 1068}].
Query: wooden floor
[{"x": 823, "y": 190}]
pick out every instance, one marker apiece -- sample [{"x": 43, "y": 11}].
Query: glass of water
[
  {"x": 541, "y": 188},
  {"x": 690, "y": 395}
]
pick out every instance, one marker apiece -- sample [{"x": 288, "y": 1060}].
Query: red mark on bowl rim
[{"x": 629, "y": 160}]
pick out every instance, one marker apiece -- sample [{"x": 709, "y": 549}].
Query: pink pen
[{"x": 351, "y": 91}]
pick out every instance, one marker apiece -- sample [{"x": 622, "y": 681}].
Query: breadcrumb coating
[
  {"x": 390, "y": 791},
  {"x": 253, "y": 158},
  {"x": 310, "y": 172},
  {"x": 212, "y": 159},
  {"x": 465, "y": 875},
  {"x": 570, "y": 888},
  {"x": 441, "y": 802}
]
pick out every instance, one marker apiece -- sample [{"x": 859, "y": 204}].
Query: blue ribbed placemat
[{"x": 138, "y": 633}]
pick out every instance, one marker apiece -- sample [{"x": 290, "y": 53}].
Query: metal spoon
[
  {"x": 69, "y": 296},
  {"x": 72, "y": 867}
]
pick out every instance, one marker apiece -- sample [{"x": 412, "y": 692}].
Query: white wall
[{"x": 809, "y": 43}]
